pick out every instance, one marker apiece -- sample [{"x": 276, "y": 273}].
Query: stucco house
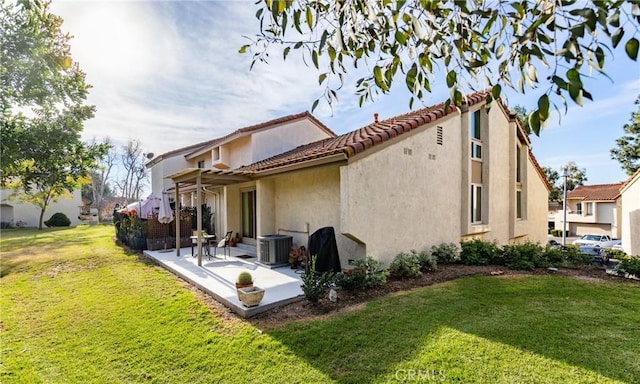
[
  {"x": 406, "y": 182},
  {"x": 630, "y": 214},
  {"x": 16, "y": 213},
  {"x": 593, "y": 209}
]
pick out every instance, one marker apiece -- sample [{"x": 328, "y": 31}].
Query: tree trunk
[{"x": 41, "y": 217}]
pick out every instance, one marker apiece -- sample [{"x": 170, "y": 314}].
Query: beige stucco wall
[
  {"x": 310, "y": 200},
  {"x": 631, "y": 217},
  {"x": 30, "y": 214},
  {"x": 406, "y": 195},
  {"x": 164, "y": 168},
  {"x": 284, "y": 138},
  {"x": 536, "y": 223}
]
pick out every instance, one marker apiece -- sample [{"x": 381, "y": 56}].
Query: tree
[
  {"x": 132, "y": 160},
  {"x": 522, "y": 114},
  {"x": 575, "y": 176},
  {"x": 522, "y": 44},
  {"x": 100, "y": 176},
  {"x": 43, "y": 157},
  {"x": 552, "y": 175},
  {"x": 627, "y": 150}
]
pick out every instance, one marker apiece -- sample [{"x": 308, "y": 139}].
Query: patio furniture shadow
[{"x": 369, "y": 344}]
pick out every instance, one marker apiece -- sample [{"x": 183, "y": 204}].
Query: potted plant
[
  {"x": 244, "y": 280},
  {"x": 250, "y": 296}
]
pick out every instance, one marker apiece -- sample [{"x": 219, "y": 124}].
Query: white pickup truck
[{"x": 602, "y": 241}]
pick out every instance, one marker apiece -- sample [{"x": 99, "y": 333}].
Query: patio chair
[{"x": 224, "y": 244}]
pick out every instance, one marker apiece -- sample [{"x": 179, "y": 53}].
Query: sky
[{"x": 169, "y": 74}]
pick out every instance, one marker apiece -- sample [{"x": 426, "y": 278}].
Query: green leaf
[
  {"x": 500, "y": 51},
  {"x": 315, "y": 104},
  {"x": 243, "y": 49},
  {"x": 576, "y": 94},
  {"x": 314, "y": 58},
  {"x": 322, "y": 78},
  {"x": 451, "y": 78},
  {"x": 495, "y": 91},
  {"x": 616, "y": 37},
  {"x": 574, "y": 77},
  {"x": 401, "y": 37},
  {"x": 534, "y": 123},
  {"x": 600, "y": 57},
  {"x": 543, "y": 107},
  {"x": 377, "y": 77},
  {"x": 632, "y": 48},
  {"x": 309, "y": 18}
]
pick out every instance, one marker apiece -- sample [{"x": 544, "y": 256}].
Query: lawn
[{"x": 76, "y": 308}]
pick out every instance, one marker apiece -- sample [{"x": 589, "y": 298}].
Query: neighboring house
[
  {"x": 630, "y": 216},
  {"x": 16, "y": 213},
  {"x": 408, "y": 182},
  {"x": 593, "y": 209}
]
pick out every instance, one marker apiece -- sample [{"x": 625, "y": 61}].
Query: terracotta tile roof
[
  {"x": 355, "y": 142},
  {"x": 194, "y": 148},
  {"x": 597, "y": 192}
]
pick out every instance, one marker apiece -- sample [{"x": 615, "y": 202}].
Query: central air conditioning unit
[{"x": 274, "y": 249}]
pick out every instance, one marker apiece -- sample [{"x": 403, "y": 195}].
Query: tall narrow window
[
  {"x": 476, "y": 203},
  {"x": 476, "y": 138},
  {"x": 518, "y": 204},
  {"x": 518, "y": 164},
  {"x": 201, "y": 164},
  {"x": 439, "y": 139},
  {"x": 579, "y": 208}
]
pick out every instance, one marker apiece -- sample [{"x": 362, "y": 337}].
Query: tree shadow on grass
[{"x": 588, "y": 325}]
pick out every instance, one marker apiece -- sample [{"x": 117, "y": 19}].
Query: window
[
  {"x": 215, "y": 153},
  {"x": 518, "y": 204},
  {"x": 589, "y": 209},
  {"x": 579, "y": 208},
  {"x": 475, "y": 125},
  {"x": 476, "y": 143},
  {"x": 476, "y": 203},
  {"x": 201, "y": 164},
  {"x": 439, "y": 139},
  {"x": 518, "y": 164}
]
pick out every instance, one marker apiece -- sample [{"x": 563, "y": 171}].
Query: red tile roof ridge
[
  {"x": 596, "y": 192},
  {"x": 361, "y": 139}
]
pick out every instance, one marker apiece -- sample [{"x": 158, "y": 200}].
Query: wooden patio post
[
  {"x": 198, "y": 215},
  {"x": 177, "y": 218}
]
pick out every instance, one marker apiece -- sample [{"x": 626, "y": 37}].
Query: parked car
[
  {"x": 617, "y": 245},
  {"x": 602, "y": 241}
]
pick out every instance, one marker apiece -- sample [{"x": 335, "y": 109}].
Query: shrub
[
  {"x": 427, "y": 261},
  {"x": 573, "y": 256},
  {"x": 615, "y": 254},
  {"x": 526, "y": 256},
  {"x": 314, "y": 284},
  {"x": 405, "y": 266},
  {"x": 479, "y": 252},
  {"x": 556, "y": 232},
  {"x": 630, "y": 265},
  {"x": 446, "y": 253},
  {"x": 368, "y": 274},
  {"x": 58, "y": 219},
  {"x": 553, "y": 256}
]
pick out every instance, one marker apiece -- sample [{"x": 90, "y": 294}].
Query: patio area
[{"x": 217, "y": 277}]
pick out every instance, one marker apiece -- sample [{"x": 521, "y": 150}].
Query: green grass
[{"x": 76, "y": 308}]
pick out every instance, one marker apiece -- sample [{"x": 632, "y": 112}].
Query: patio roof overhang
[{"x": 208, "y": 176}]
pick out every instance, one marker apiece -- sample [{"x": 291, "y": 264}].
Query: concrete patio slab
[{"x": 217, "y": 277}]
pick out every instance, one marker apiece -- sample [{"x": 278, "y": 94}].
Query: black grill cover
[{"x": 322, "y": 244}]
